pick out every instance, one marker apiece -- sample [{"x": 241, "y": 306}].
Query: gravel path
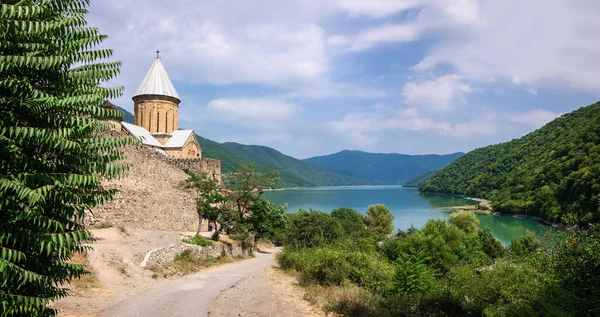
[
  {"x": 267, "y": 293},
  {"x": 191, "y": 295}
]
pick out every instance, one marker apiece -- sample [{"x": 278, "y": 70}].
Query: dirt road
[{"x": 191, "y": 295}]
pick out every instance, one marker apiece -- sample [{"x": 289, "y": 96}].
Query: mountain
[
  {"x": 551, "y": 172},
  {"x": 419, "y": 180},
  {"x": 378, "y": 168},
  {"x": 293, "y": 172},
  {"x": 127, "y": 116}
]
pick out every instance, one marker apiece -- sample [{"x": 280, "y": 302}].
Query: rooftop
[{"x": 157, "y": 82}]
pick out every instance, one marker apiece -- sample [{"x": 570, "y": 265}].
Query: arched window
[
  {"x": 167, "y": 122},
  {"x": 173, "y": 119},
  {"x": 157, "y": 120}
]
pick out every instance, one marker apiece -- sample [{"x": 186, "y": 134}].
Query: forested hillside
[
  {"x": 419, "y": 180},
  {"x": 379, "y": 168},
  {"x": 551, "y": 172},
  {"x": 293, "y": 172}
]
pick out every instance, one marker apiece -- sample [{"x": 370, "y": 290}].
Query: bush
[
  {"x": 312, "y": 229},
  {"x": 491, "y": 245},
  {"x": 524, "y": 246},
  {"x": 352, "y": 221},
  {"x": 465, "y": 221},
  {"x": 379, "y": 219},
  {"x": 198, "y": 240},
  {"x": 326, "y": 266}
]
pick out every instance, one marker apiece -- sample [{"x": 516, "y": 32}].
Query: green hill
[
  {"x": 551, "y": 172},
  {"x": 379, "y": 168},
  {"x": 293, "y": 172},
  {"x": 419, "y": 180}
]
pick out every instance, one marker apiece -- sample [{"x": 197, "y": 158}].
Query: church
[{"x": 156, "y": 114}]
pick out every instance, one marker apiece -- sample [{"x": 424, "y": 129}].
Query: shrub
[
  {"x": 465, "y": 221},
  {"x": 379, "y": 219},
  {"x": 524, "y": 246},
  {"x": 491, "y": 245},
  {"x": 312, "y": 229},
  {"x": 326, "y": 266},
  {"x": 413, "y": 275},
  {"x": 352, "y": 221},
  {"x": 198, "y": 240}
]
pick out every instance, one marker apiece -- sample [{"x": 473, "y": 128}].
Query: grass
[
  {"x": 86, "y": 281},
  {"x": 188, "y": 262},
  {"x": 198, "y": 240},
  {"x": 102, "y": 225}
]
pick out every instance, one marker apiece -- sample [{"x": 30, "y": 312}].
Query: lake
[{"x": 409, "y": 206}]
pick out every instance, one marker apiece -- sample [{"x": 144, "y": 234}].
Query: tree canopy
[
  {"x": 552, "y": 172},
  {"x": 53, "y": 151}
]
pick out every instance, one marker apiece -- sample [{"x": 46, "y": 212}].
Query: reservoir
[{"x": 409, "y": 206}]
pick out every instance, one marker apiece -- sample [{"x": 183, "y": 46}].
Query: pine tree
[{"x": 54, "y": 146}]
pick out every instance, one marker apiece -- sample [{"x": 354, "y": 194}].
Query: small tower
[{"x": 156, "y": 102}]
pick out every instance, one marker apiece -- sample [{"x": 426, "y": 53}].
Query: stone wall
[
  {"x": 168, "y": 254},
  {"x": 207, "y": 166}
]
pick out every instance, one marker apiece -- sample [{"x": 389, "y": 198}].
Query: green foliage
[
  {"x": 419, "y": 180},
  {"x": 550, "y": 172},
  {"x": 351, "y": 220},
  {"x": 577, "y": 264},
  {"x": 465, "y": 221},
  {"x": 413, "y": 275},
  {"x": 491, "y": 245},
  {"x": 326, "y": 266},
  {"x": 524, "y": 246},
  {"x": 54, "y": 148},
  {"x": 209, "y": 199},
  {"x": 312, "y": 229},
  {"x": 268, "y": 220},
  {"x": 379, "y": 219},
  {"x": 247, "y": 185},
  {"x": 379, "y": 168},
  {"x": 198, "y": 240}
]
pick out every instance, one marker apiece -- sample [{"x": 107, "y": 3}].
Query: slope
[
  {"x": 551, "y": 172},
  {"x": 419, "y": 180},
  {"x": 382, "y": 168},
  {"x": 293, "y": 172}
]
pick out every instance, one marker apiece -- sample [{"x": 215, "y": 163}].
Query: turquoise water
[{"x": 409, "y": 206}]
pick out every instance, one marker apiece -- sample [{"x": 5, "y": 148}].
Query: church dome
[{"x": 157, "y": 82}]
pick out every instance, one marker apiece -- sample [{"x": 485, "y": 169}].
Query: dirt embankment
[{"x": 149, "y": 196}]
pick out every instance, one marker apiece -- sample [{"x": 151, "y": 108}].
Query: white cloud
[
  {"x": 543, "y": 43},
  {"x": 261, "y": 114},
  {"x": 376, "y": 8},
  {"x": 436, "y": 94},
  {"x": 535, "y": 118}
]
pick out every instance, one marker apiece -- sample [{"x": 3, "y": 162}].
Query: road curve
[{"x": 191, "y": 295}]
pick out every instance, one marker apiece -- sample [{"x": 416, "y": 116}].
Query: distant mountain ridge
[
  {"x": 383, "y": 168},
  {"x": 293, "y": 172}
]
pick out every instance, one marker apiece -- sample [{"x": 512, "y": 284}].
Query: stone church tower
[
  {"x": 156, "y": 102},
  {"x": 156, "y": 116}
]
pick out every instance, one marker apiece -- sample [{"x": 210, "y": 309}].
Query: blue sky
[{"x": 313, "y": 77}]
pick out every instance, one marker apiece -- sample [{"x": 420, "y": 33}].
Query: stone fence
[{"x": 168, "y": 253}]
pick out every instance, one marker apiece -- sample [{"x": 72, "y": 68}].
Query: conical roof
[{"x": 157, "y": 82}]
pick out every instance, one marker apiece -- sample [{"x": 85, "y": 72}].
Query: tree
[
  {"x": 379, "y": 219},
  {"x": 312, "y": 229},
  {"x": 53, "y": 147},
  {"x": 352, "y": 222},
  {"x": 465, "y": 221},
  {"x": 208, "y": 195},
  {"x": 247, "y": 185},
  {"x": 268, "y": 219}
]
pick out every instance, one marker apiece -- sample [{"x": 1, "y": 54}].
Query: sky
[{"x": 314, "y": 77}]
